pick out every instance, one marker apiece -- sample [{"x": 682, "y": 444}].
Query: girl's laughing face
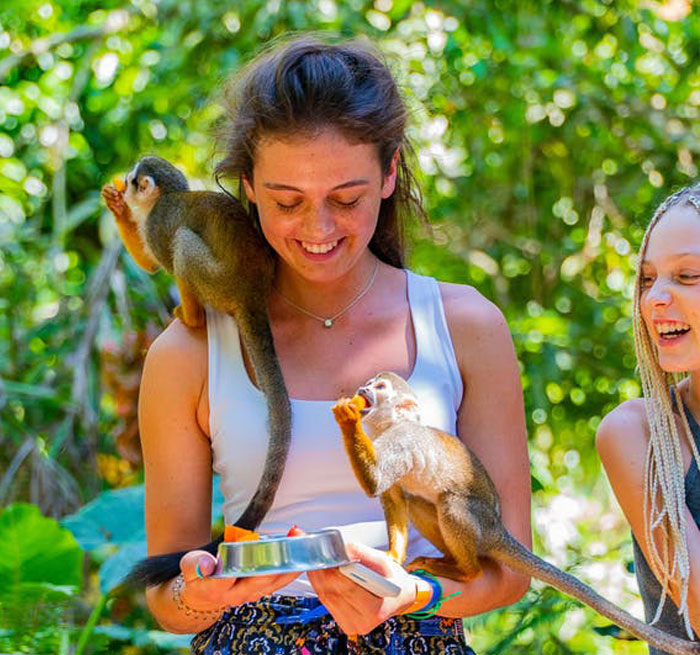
[{"x": 670, "y": 297}]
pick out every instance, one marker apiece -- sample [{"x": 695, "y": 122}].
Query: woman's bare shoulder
[
  {"x": 477, "y": 325},
  {"x": 625, "y": 427},
  {"x": 464, "y": 305},
  {"x": 175, "y": 375},
  {"x": 179, "y": 349}
]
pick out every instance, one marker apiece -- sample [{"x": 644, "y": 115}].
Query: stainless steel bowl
[{"x": 281, "y": 554}]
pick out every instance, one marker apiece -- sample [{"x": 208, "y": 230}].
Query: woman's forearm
[{"x": 497, "y": 586}]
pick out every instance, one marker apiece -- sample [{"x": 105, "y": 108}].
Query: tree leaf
[
  {"x": 115, "y": 517},
  {"x": 116, "y": 567},
  {"x": 36, "y": 549}
]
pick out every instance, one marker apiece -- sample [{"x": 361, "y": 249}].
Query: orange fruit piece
[
  {"x": 234, "y": 533},
  {"x": 359, "y": 402},
  {"x": 119, "y": 184}
]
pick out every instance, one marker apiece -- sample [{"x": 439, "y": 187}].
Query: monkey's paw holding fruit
[
  {"x": 114, "y": 199},
  {"x": 349, "y": 410}
]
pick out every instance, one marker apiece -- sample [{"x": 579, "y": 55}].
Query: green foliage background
[{"x": 546, "y": 133}]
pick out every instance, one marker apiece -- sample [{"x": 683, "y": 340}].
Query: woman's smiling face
[
  {"x": 318, "y": 197},
  {"x": 670, "y": 297}
]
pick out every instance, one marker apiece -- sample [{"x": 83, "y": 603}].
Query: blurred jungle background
[{"x": 546, "y": 132}]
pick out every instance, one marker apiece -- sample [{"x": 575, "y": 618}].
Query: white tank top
[{"x": 318, "y": 488}]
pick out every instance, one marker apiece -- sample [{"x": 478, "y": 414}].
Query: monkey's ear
[{"x": 147, "y": 186}]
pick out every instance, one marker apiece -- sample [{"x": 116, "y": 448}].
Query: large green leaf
[
  {"x": 116, "y": 567},
  {"x": 117, "y": 517},
  {"x": 114, "y": 517},
  {"x": 36, "y": 549}
]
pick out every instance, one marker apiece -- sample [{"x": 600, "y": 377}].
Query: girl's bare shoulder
[{"x": 625, "y": 427}]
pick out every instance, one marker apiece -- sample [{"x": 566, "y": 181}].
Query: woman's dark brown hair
[{"x": 307, "y": 84}]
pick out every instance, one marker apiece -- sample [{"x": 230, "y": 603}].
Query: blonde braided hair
[{"x": 664, "y": 480}]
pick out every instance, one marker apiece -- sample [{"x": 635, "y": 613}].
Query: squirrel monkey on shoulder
[
  {"x": 432, "y": 477},
  {"x": 207, "y": 241}
]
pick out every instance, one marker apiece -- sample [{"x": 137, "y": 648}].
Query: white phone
[{"x": 370, "y": 580}]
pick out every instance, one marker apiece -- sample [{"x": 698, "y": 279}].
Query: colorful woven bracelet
[
  {"x": 436, "y": 600},
  {"x": 425, "y": 599}
]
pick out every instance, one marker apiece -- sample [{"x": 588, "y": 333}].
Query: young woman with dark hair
[{"x": 315, "y": 136}]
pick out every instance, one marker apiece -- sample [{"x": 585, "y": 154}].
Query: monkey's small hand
[
  {"x": 347, "y": 411},
  {"x": 114, "y": 200},
  {"x": 446, "y": 568}
]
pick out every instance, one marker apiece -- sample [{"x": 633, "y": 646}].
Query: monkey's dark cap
[{"x": 167, "y": 177}]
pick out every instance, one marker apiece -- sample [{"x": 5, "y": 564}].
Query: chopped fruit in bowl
[{"x": 233, "y": 533}]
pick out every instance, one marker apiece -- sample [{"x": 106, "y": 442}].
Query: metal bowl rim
[
  {"x": 278, "y": 570},
  {"x": 331, "y": 535},
  {"x": 308, "y": 536}
]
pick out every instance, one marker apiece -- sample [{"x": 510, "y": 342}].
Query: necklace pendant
[{"x": 328, "y": 323}]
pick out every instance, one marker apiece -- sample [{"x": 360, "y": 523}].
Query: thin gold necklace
[{"x": 328, "y": 322}]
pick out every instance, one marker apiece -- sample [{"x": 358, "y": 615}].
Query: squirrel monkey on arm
[
  {"x": 206, "y": 240},
  {"x": 432, "y": 477}
]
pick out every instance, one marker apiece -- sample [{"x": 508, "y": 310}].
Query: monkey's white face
[
  {"x": 140, "y": 195},
  {"x": 388, "y": 399}
]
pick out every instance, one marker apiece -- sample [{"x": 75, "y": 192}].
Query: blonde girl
[{"x": 649, "y": 446}]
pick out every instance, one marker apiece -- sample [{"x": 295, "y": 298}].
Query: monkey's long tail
[
  {"x": 519, "y": 558},
  {"x": 257, "y": 337},
  {"x": 160, "y": 568}
]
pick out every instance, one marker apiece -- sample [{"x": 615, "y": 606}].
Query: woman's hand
[
  {"x": 356, "y": 610},
  {"x": 204, "y": 593}
]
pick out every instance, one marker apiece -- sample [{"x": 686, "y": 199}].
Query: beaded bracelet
[
  {"x": 178, "y": 586},
  {"x": 436, "y": 600}
]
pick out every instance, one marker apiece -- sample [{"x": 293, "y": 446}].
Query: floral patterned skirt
[{"x": 289, "y": 625}]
